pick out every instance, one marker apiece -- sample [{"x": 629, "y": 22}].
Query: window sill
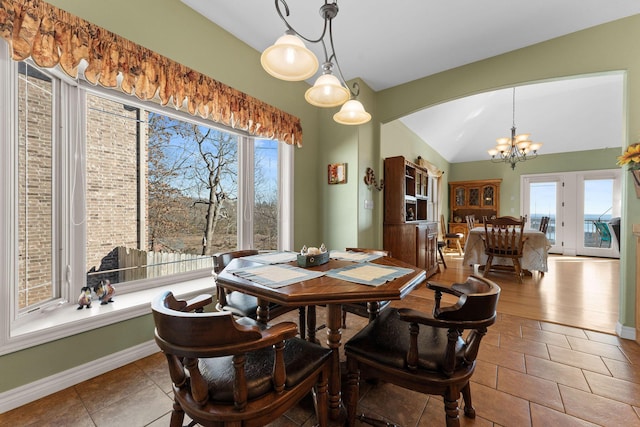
[{"x": 66, "y": 320}]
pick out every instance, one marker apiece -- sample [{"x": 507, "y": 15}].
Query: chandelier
[
  {"x": 516, "y": 149},
  {"x": 289, "y": 59}
]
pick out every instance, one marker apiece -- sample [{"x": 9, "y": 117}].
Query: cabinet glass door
[
  {"x": 460, "y": 196},
  {"x": 474, "y": 197},
  {"x": 488, "y": 196}
]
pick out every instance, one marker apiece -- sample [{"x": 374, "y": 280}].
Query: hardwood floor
[{"x": 577, "y": 291}]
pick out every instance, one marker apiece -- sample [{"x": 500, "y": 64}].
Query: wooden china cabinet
[
  {"x": 408, "y": 231},
  {"x": 480, "y": 198}
]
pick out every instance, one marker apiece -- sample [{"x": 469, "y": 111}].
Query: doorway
[{"x": 583, "y": 207}]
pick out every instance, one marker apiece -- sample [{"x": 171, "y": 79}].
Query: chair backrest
[
  {"x": 471, "y": 221},
  {"x": 544, "y": 224},
  {"x": 381, "y": 252},
  {"x": 222, "y": 259},
  {"x": 443, "y": 226},
  {"x": 227, "y": 373},
  {"x": 503, "y": 236},
  {"x": 478, "y": 300},
  {"x": 184, "y": 333},
  {"x": 603, "y": 231}
]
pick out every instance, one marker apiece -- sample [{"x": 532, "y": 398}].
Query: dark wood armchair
[
  {"x": 503, "y": 237},
  {"x": 365, "y": 309},
  {"x": 425, "y": 352},
  {"x": 242, "y": 304},
  {"x": 227, "y": 373}
]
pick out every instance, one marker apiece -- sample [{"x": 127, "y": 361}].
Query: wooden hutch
[
  {"x": 480, "y": 198},
  {"x": 408, "y": 232}
]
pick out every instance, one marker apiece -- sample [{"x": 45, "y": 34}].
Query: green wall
[
  {"x": 334, "y": 214},
  {"x": 605, "y": 48}
]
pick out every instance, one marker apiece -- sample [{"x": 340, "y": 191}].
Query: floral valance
[{"x": 51, "y": 36}]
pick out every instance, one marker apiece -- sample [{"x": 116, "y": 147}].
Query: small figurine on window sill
[
  {"x": 105, "y": 291},
  {"x": 84, "y": 300}
]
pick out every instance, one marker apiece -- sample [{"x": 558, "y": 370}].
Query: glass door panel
[{"x": 543, "y": 201}]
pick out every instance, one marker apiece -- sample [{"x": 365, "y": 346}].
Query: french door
[{"x": 584, "y": 210}]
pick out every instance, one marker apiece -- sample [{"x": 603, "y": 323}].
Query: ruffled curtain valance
[{"x": 51, "y": 36}]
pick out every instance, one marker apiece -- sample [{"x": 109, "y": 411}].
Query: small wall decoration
[{"x": 337, "y": 173}]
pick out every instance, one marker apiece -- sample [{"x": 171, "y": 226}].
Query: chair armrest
[
  {"x": 198, "y": 303},
  {"x": 415, "y": 316},
  {"x": 445, "y": 289},
  {"x": 270, "y": 336}
]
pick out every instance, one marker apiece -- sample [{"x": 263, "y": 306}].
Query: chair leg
[
  {"x": 451, "y": 407},
  {"x": 442, "y": 257},
  {"x": 487, "y": 266},
  {"x": 321, "y": 398},
  {"x": 302, "y": 320},
  {"x": 177, "y": 415},
  {"x": 469, "y": 411},
  {"x": 459, "y": 247},
  {"x": 344, "y": 319},
  {"x": 518, "y": 268},
  {"x": 352, "y": 391}
]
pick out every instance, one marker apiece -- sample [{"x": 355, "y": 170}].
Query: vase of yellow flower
[{"x": 631, "y": 157}]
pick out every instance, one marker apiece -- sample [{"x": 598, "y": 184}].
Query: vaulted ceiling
[{"x": 390, "y": 43}]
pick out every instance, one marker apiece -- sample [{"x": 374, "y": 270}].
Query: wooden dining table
[{"x": 328, "y": 291}]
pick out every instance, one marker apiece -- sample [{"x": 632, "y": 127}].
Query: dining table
[
  {"x": 345, "y": 278},
  {"x": 534, "y": 252}
]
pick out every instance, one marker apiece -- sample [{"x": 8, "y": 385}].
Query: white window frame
[{"x": 59, "y": 318}]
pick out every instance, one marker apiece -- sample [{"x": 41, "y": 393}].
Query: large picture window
[{"x": 105, "y": 187}]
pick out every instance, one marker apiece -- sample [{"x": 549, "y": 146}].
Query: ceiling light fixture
[
  {"x": 516, "y": 149},
  {"x": 289, "y": 59}
]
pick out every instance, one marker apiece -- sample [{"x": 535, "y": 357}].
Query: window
[{"x": 101, "y": 186}]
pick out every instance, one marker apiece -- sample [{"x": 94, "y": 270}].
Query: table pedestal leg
[
  {"x": 262, "y": 314},
  {"x": 334, "y": 335}
]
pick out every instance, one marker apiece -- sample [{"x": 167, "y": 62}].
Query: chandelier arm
[
  {"x": 290, "y": 28},
  {"x": 356, "y": 87}
]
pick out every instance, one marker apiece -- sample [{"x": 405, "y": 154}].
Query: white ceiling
[{"x": 390, "y": 43}]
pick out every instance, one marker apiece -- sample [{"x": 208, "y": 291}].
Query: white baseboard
[
  {"x": 45, "y": 386},
  {"x": 626, "y": 332}
]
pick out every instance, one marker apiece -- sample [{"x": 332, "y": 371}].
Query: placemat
[
  {"x": 368, "y": 273},
  {"x": 354, "y": 256},
  {"x": 276, "y": 276},
  {"x": 273, "y": 257}
]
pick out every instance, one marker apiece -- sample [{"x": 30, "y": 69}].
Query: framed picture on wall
[{"x": 337, "y": 173}]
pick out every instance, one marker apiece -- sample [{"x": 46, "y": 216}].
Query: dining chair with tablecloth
[{"x": 504, "y": 238}]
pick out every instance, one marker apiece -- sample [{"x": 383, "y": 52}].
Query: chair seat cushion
[
  {"x": 454, "y": 235},
  {"x": 301, "y": 358},
  {"x": 386, "y": 341},
  {"x": 242, "y": 304}
]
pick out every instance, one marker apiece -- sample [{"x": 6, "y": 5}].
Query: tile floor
[{"x": 529, "y": 373}]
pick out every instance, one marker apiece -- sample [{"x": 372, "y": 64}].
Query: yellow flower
[{"x": 631, "y": 156}]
